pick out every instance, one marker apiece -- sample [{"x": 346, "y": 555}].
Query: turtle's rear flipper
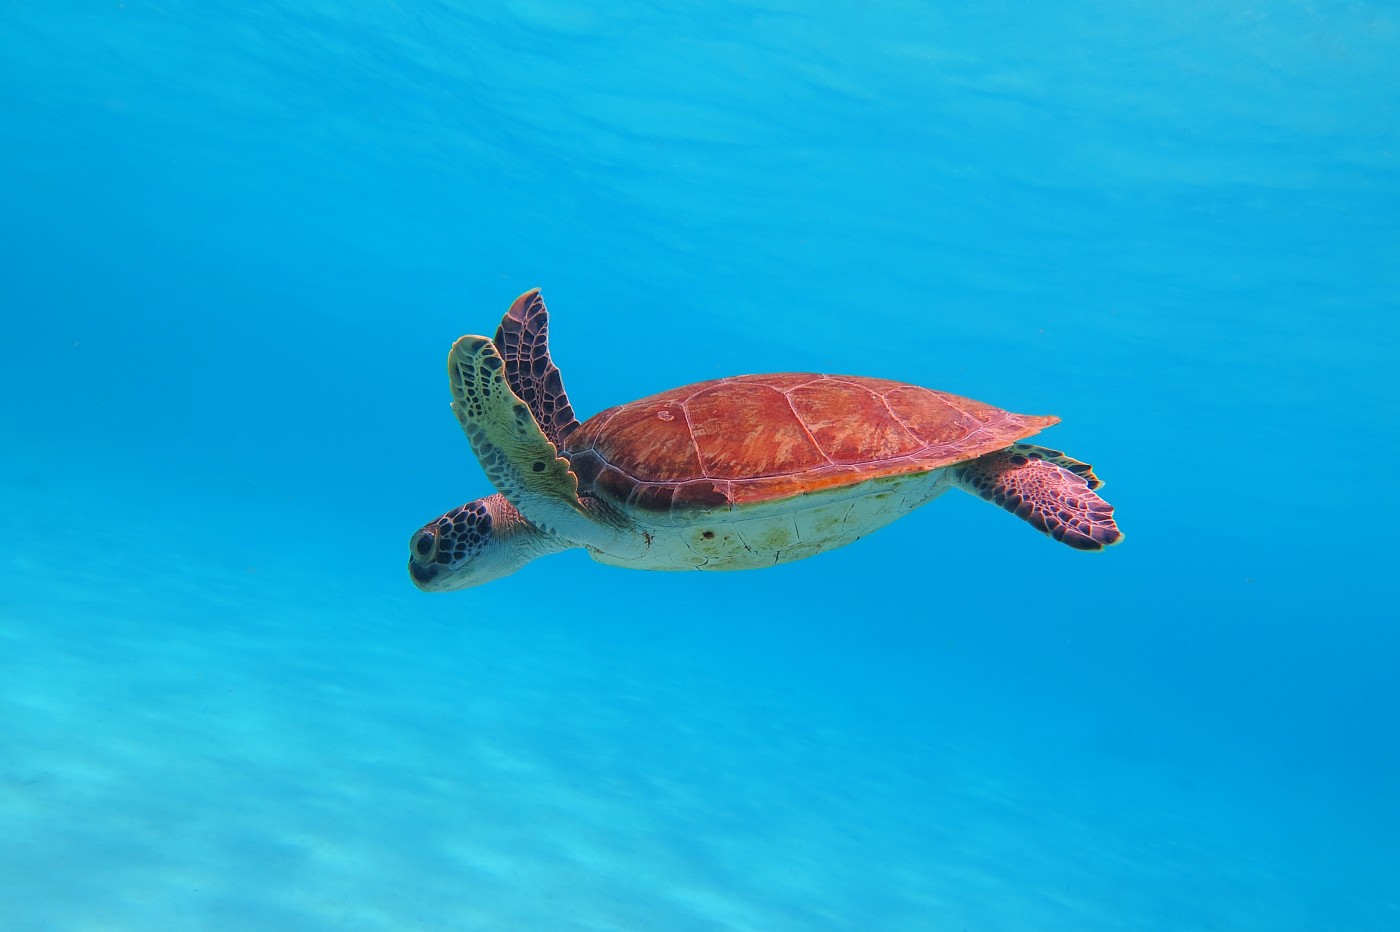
[
  {"x": 1059, "y": 459},
  {"x": 1048, "y": 489}
]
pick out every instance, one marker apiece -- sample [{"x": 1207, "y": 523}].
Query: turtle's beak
[{"x": 422, "y": 575}]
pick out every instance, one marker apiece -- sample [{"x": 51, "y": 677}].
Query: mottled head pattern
[
  {"x": 481, "y": 541},
  {"x": 441, "y": 548}
]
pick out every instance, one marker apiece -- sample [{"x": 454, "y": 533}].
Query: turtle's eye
[{"x": 424, "y": 545}]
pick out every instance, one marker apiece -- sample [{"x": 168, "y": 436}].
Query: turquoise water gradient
[{"x": 237, "y": 240}]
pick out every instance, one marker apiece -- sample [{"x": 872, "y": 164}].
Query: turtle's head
[{"x": 474, "y": 544}]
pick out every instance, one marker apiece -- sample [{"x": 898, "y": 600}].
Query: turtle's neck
[{"x": 514, "y": 534}]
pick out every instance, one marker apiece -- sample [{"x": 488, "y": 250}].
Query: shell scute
[
  {"x": 615, "y": 484},
  {"x": 828, "y": 406},
  {"x": 652, "y": 496},
  {"x": 699, "y": 495},
  {"x": 743, "y": 429},
  {"x": 671, "y": 452},
  {"x": 937, "y": 418}
]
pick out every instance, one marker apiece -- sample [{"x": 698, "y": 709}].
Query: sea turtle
[{"x": 730, "y": 474}]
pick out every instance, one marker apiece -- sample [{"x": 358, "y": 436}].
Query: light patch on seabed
[{"x": 191, "y": 745}]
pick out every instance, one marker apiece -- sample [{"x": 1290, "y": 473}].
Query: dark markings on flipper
[
  {"x": 523, "y": 342},
  {"x": 1031, "y": 451},
  {"x": 514, "y": 453},
  {"x": 1054, "y": 498}
]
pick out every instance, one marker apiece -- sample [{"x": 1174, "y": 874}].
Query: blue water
[{"x": 237, "y": 240}]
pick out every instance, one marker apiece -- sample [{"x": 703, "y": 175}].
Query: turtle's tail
[{"x": 1056, "y": 494}]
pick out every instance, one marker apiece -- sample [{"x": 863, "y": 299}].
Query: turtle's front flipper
[
  {"x": 1048, "y": 489},
  {"x": 517, "y": 457},
  {"x": 523, "y": 342}
]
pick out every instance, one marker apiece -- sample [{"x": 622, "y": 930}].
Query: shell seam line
[
  {"x": 694, "y": 443},
  {"x": 807, "y": 430},
  {"x": 904, "y": 426}
]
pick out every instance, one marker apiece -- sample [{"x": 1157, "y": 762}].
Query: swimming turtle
[{"x": 730, "y": 474}]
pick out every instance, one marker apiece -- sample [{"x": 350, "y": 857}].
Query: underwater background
[{"x": 237, "y": 240}]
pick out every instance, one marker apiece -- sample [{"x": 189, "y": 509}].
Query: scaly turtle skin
[{"x": 735, "y": 473}]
